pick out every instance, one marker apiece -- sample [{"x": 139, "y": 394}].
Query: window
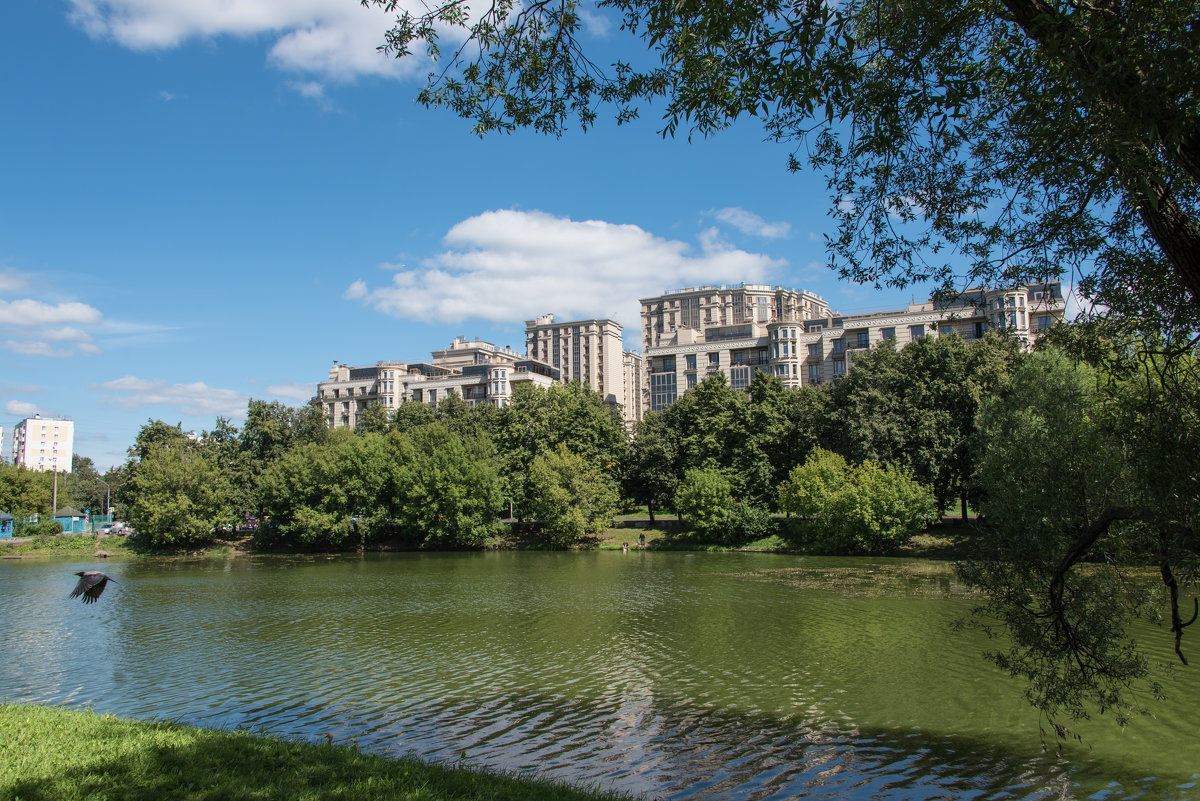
[
  {"x": 1045, "y": 322},
  {"x": 814, "y": 352},
  {"x": 739, "y": 377},
  {"x": 714, "y": 359},
  {"x": 979, "y": 330},
  {"x": 839, "y": 368},
  {"x": 839, "y": 346},
  {"x": 691, "y": 381},
  {"x": 690, "y": 361},
  {"x": 888, "y": 333},
  {"x": 947, "y": 330},
  {"x": 814, "y": 374},
  {"x": 916, "y": 331},
  {"x": 662, "y": 391},
  {"x": 864, "y": 339}
]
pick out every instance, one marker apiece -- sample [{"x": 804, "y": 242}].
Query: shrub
[
  {"x": 704, "y": 498},
  {"x": 854, "y": 509},
  {"x": 746, "y": 523},
  {"x": 46, "y": 528}
]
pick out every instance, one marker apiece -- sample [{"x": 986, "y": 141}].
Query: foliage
[
  {"x": 73, "y": 755},
  {"x": 878, "y": 507},
  {"x": 964, "y": 143},
  {"x": 454, "y": 497},
  {"x": 83, "y": 488},
  {"x": 1101, "y": 467},
  {"x": 704, "y": 498},
  {"x": 331, "y": 494},
  {"x": 538, "y": 420},
  {"x": 179, "y": 495},
  {"x": 746, "y": 522},
  {"x": 372, "y": 420},
  {"x": 648, "y": 474},
  {"x": 570, "y": 498},
  {"x": 860, "y": 509},
  {"x": 24, "y": 492},
  {"x": 915, "y": 408},
  {"x": 810, "y": 486},
  {"x": 43, "y": 528}
]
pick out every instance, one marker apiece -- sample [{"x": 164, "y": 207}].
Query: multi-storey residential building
[
  {"x": 477, "y": 371},
  {"x": 44, "y": 443},
  {"x": 820, "y": 349},
  {"x": 587, "y": 351},
  {"x": 637, "y": 393},
  {"x": 700, "y": 308}
]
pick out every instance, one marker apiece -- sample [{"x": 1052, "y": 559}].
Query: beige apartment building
[
  {"x": 704, "y": 307},
  {"x": 821, "y": 348},
  {"x": 44, "y": 443},
  {"x": 590, "y": 352},
  {"x": 476, "y": 371}
]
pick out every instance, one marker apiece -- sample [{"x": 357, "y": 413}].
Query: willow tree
[{"x": 967, "y": 141}]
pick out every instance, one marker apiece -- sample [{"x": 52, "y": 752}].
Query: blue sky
[{"x": 204, "y": 201}]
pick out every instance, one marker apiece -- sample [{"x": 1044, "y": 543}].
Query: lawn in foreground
[{"x": 56, "y": 753}]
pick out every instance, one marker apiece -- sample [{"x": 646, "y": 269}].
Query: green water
[{"x": 673, "y": 675}]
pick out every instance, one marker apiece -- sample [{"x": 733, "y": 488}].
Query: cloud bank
[
  {"x": 336, "y": 39},
  {"x": 196, "y": 398},
  {"x": 510, "y": 265}
]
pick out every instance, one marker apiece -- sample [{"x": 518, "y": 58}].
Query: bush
[
  {"x": 46, "y": 528},
  {"x": 704, "y": 498},
  {"x": 854, "y": 509},
  {"x": 746, "y": 523}
]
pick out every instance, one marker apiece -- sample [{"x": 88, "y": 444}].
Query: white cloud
[
  {"x": 293, "y": 391},
  {"x": 65, "y": 334},
  {"x": 30, "y": 347},
  {"x": 131, "y": 392},
  {"x": 18, "y": 408},
  {"x": 11, "y": 281},
  {"x": 356, "y": 290},
  {"x": 27, "y": 312},
  {"x": 335, "y": 38},
  {"x": 750, "y": 223},
  {"x": 506, "y": 265},
  {"x": 166, "y": 96}
]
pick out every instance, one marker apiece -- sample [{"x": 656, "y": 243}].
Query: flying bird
[{"x": 91, "y": 584}]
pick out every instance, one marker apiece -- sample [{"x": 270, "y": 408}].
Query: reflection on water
[{"x": 663, "y": 674}]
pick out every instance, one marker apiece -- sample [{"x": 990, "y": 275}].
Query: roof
[{"x": 68, "y": 511}]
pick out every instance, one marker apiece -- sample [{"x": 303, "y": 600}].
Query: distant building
[
  {"x": 813, "y": 349},
  {"x": 637, "y": 393},
  {"x": 44, "y": 443},
  {"x": 587, "y": 351},
  {"x": 476, "y": 371}
]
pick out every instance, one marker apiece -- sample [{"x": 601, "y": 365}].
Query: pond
[{"x": 664, "y": 675}]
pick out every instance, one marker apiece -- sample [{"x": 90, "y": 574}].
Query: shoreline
[{"x": 67, "y": 754}]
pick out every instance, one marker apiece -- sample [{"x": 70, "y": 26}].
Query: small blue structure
[
  {"x": 72, "y": 520},
  {"x": 6, "y": 526}
]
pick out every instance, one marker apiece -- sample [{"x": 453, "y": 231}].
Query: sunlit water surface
[{"x": 667, "y": 675}]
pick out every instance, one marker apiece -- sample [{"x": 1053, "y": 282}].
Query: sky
[{"x": 208, "y": 201}]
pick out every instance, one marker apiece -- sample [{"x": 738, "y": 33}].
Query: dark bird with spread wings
[{"x": 91, "y": 584}]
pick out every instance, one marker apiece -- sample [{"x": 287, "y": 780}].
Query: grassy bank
[
  {"x": 65, "y": 545},
  {"x": 61, "y": 754}
]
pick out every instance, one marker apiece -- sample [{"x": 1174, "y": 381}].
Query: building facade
[
  {"x": 819, "y": 349},
  {"x": 44, "y": 443},
  {"x": 588, "y": 351},
  {"x": 476, "y": 371}
]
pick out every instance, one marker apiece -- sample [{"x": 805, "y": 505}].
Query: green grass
[
  {"x": 61, "y": 754},
  {"x": 65, "y": 544}
]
